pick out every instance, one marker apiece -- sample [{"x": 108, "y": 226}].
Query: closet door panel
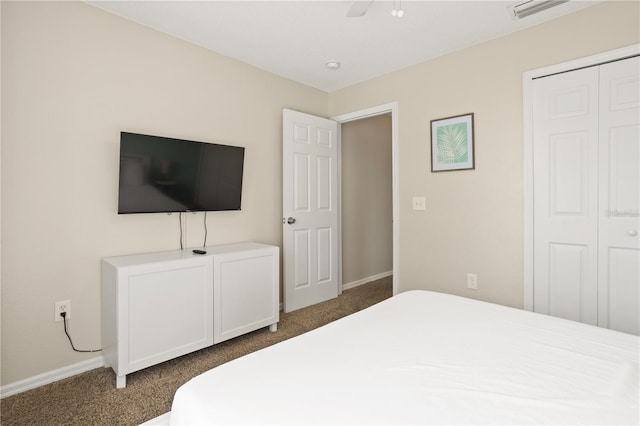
[
  {"x": 565, "y": 162},
  {"x": 622, "y": 292},
  {"x": 619, "y": 196}
]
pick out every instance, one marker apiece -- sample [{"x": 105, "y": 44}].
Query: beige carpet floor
[{"x": 91, "y": 398}]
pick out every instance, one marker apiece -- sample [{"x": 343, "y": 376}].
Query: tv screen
[{"x": 167, "y": 175}]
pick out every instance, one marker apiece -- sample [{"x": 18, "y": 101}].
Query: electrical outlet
[
  {"x": 472, "y": 281},
  {"x": 60, "y": 307}
]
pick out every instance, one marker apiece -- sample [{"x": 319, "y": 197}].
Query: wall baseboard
[
  {"x": 357, "y": 283},
  {"x": 50, "y": 377},
  {"x": 353, "y": 284}
]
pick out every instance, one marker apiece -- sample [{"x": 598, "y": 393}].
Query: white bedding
[{"x": 426, "y": 358}]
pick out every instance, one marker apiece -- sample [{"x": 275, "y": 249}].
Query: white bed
[{"x": 426, "y": 358}]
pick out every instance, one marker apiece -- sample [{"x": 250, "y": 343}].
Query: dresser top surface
[{"x": 170, "y": 255}]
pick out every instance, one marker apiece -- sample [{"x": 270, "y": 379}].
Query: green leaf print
[{"x": 452, "y": 144}]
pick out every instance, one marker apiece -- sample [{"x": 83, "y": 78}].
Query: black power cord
[
  {"x": 64, "y": 319},
  {"x": 180, "y": 220},
  {"x": 204, "y": 244}
]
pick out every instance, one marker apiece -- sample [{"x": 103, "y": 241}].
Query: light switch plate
[{"x": 419, "y": 203}]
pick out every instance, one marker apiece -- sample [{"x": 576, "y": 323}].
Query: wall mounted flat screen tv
[{"x": 164, "y": 175}]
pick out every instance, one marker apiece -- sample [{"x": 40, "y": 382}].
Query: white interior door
[
  {"x": 310, "y": 209},
  {"x": 565, "y": 194},
  {"x": 619, "y": 225}
]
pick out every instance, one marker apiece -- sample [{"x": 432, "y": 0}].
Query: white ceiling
[{"x": 295, "y": 39}]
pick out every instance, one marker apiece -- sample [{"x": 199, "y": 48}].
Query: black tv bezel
[{"x": 169, "y": 211}]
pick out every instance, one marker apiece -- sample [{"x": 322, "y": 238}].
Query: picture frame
[{"x": 452, "y": 143}]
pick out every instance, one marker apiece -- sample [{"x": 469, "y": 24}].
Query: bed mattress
[{"x": 426, "y": 358}]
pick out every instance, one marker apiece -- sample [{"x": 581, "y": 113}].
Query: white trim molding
[
  {"x": 51, "y": 376},
  {"x": 366, "y": 280},
  {"x": 527, "y": 95}
]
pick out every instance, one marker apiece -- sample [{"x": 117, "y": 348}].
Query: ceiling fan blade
[{"x": 359, "y": 8}]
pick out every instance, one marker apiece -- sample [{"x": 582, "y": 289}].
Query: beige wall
[
  {"x": 474, "y": 219},
  {"x": 73, "y": 77},
  {"x": 367, "y": 232}
]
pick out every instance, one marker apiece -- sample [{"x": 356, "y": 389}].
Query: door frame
[
  {"x": 527, "y": 109},
  {"x": 391, "y": 108}
]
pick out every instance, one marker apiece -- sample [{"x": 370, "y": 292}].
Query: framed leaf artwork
[{"x": 452, "y": 143}]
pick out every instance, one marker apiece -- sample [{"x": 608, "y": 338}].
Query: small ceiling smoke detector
[{"x": 332, "y": 65}]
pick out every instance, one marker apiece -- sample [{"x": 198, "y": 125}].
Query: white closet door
[
  {"x": 565, "y": 163},
  {"x": 619, "y": 225}
]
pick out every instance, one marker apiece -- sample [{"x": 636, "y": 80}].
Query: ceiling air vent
[{"x": 528, "y": 8}]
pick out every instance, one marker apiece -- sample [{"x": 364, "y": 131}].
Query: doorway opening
[
  {"x": 354, "y": 207},
  {"x": 366, "y": 216}
]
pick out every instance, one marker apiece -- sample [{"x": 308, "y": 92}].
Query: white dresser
[{"x": 158, "y": 306}]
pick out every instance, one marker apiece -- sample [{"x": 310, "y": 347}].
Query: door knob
[
  {"x": 632, "y": 233},
  {"x": 291, "y": 220}
]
